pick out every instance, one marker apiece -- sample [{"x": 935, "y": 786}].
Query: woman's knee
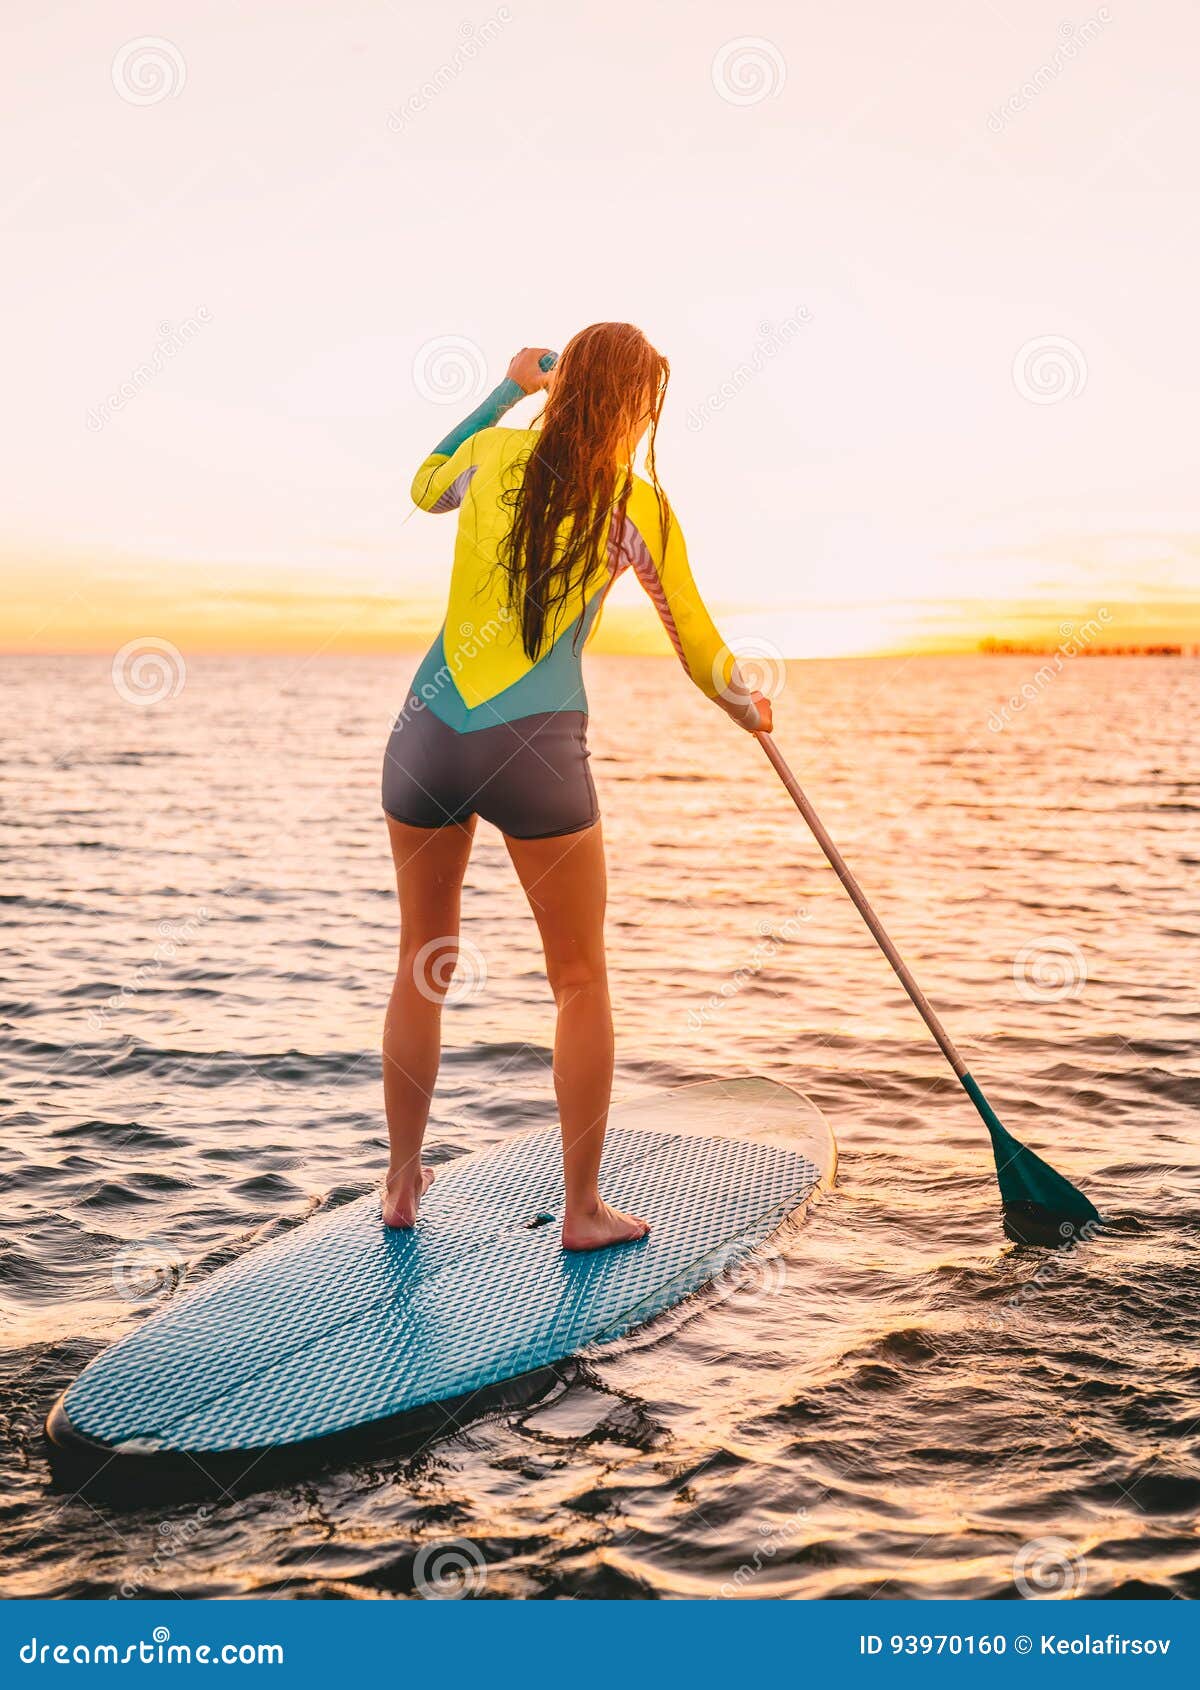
[
  {"x": 569, "y": 976},
  {"x": 428, "y": 965}
]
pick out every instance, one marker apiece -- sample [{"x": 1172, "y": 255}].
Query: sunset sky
[{"x": 927, "y": 276}]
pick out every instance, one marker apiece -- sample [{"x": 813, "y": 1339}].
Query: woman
[{"x": 496, "y": 723}]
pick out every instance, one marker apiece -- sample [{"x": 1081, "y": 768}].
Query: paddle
[{"x": 1040, "y": 1206}]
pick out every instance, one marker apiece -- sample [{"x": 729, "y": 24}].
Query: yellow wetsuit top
[{"x": 477, "y": 672}]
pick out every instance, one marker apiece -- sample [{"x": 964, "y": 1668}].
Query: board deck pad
[{"x": 343, "y": 1321}]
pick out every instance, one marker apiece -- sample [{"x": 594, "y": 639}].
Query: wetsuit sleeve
[
  {"x": 442, "y": 479},
  {"x": 666, "y": 574}
]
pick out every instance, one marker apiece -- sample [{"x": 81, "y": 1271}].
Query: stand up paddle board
[{"x": 344, "y": 1323}]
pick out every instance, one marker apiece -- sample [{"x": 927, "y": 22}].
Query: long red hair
[{"x": 577, "y": 479}]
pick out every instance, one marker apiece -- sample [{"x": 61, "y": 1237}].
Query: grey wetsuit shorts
[{"x": 529, "y": 778}]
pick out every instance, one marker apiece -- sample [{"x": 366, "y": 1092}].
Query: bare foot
[
  {"x": 601, "y": 1227},
  {"x": 402, "y": 1199}
]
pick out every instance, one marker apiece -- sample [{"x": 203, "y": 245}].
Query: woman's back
[{"x": 478, "y": 671}]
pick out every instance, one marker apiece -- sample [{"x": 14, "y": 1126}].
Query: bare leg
[
  {"x": 430, "y": 864},
  {"x": 564, "y": 880}
]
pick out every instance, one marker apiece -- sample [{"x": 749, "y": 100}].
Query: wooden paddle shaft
[{"x": 836, "y": 861}]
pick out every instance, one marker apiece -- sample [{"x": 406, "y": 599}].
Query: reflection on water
[{"x": 199, "y": 913}]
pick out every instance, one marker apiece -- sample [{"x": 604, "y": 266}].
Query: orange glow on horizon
[{"x": 55, "y": 606}]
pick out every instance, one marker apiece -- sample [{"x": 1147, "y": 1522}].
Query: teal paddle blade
[{"x": 1040, "y": 1206}]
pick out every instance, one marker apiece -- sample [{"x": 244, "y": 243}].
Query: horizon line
[{"x": 987, "y": 647}]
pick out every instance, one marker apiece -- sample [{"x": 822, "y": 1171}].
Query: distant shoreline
[
  {"x": 412, "y": 651},
  {"x": 1021, "y": 648}
]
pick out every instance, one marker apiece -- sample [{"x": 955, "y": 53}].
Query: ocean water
[{"x": 199, "y": 932}]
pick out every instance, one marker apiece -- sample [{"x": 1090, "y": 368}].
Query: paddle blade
[{"x": 1040, "y": 1206}]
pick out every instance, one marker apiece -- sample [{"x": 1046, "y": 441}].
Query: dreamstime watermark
[
  {"x": 1049, "y": 968},
  {"x": 1049, "y": 1269},
  {"x": 775, "y": 1536},
  {"x": 473, "y": 37},
  {"x": 157, "y": 1650},
  {"x": 471, "y": 641},
  {"x": 449, "y": 969},
  {"x": 1072, "y": 642},
  {"x": 773, "y": 339},
  {"x": 148, "y": 670},
  {"x": 768, "y": 948},
  {"x": 147, "y": 70},
  {"x": 748, "y": 70},
  {"x": 449, "y": 1571},
  {"x": 174, "y": 1536},
  {"x": 151, "y": 1268},
  {"x": 1049, "y": 369},
  {"x": 1071, "y": 42},
  {"x": 449, "y": 370},
  {"x": 1049, "y": 1567},
  {"x": 172, "y": 338},
  {"x": 754, "y": 1274},
  {"x": 760, "y": 664},
  {"x": 173, "y": 935}
]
